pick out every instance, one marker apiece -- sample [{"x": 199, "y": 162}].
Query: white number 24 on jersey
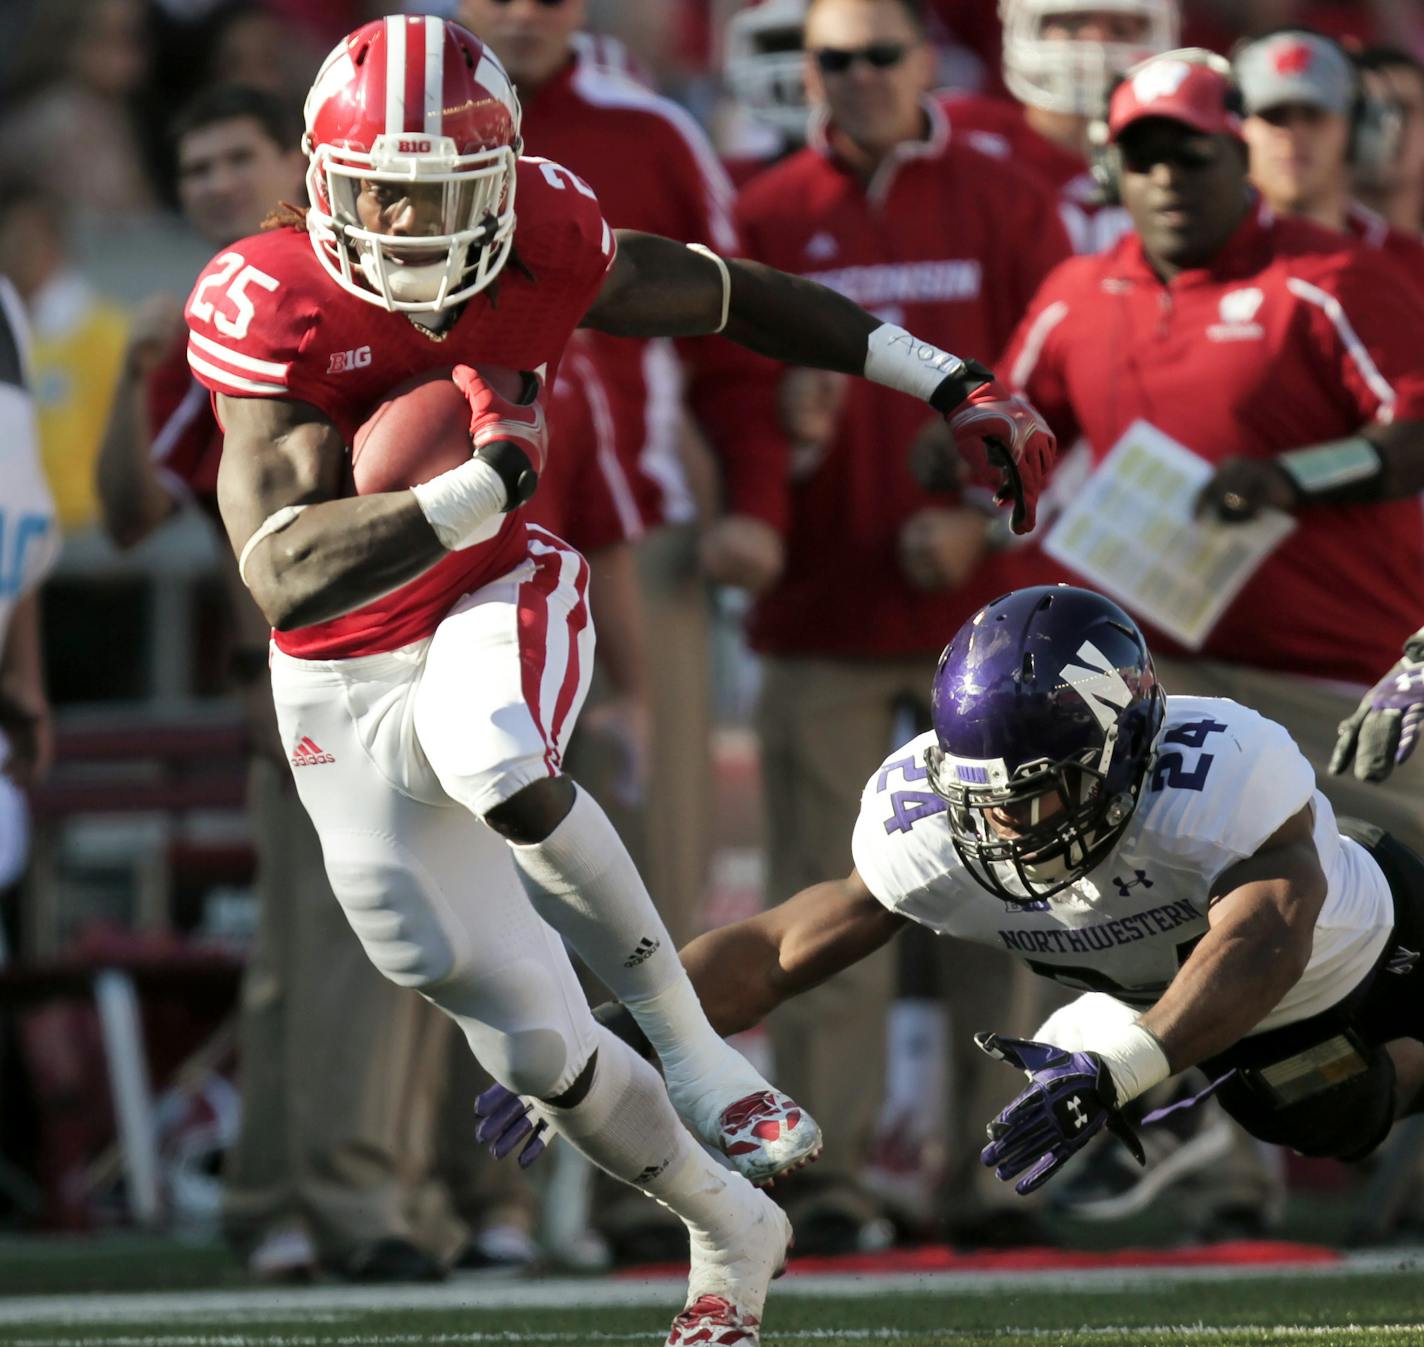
[{"x": 232, "y": 274}]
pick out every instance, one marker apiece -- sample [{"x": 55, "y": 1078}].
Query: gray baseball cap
[{"x": 1295, "y": 67}]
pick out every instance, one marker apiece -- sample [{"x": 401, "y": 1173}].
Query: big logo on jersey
[{"x": 1098, "y": 683}]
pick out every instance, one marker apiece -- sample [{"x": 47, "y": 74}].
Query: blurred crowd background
[{"x": 188, "y": 1036}]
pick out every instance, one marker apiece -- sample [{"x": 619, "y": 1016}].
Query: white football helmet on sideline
[
  {"x": 763, "y": 60},
  {"x": 1070, "y": 74}
]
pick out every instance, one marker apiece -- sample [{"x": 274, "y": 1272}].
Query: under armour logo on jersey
[
  {"x": 1124, "y": 886},
  {"x": 645, "y": 951},
  {"x": 307, "y": 753},
  {"x": 1402, "y": 961},
  {"x": 821, "y": 246},
  {"x": 342, "y": 361},
  {"x": 1075, "y": 1107},
  {"x": 1161, "y": 79},
  {"x": 1098, "y": 683}
]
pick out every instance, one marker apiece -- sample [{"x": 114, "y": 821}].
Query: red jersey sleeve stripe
[
  {"x": 246, "y": 364},
  {"x": 194, "y": 403},
  {"x": 226, "y": 381},
  {"x": 1354, "y": 347}
]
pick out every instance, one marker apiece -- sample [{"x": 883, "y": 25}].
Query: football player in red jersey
[
  {"x": 432, "y": 650},
  {"x": 238, "y": 152}
]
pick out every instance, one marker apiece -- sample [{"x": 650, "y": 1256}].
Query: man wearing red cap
[{"x": 1287, "y": 357}]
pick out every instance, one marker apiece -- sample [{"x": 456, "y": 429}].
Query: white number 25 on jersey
[{"x": 231, "y": 275}]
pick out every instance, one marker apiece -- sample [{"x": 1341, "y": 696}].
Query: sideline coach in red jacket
[{"x": 1287, "y": 356}]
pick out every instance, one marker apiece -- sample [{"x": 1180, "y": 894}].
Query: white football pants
[{"x": 394, "y": 757}]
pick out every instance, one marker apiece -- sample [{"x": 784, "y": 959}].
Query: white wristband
[
  {"x": 463, "y": 503},
  {"x": 897, "y": 359},
  {"x": 274, "y": 523},
  {"x": 726, "y": 281},
  {"x": 1134, "y": 1057}
]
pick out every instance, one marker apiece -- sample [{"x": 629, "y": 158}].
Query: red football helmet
[{"x": 414, "y": 109}]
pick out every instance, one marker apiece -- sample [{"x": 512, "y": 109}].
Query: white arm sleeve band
[
  {"x": 1134, "y": 1056},
  {"x": 899, "y": 360},
  {"x": 274, "y": 523},
  {"x": 461, "y": 504},
  {"x": 726, "y": 281}
]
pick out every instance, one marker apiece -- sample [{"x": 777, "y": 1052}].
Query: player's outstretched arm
[
  {"x": 742, "y": 972},
  {"x": 659, "y": 288},
  {"x": 1262, "y": 927},
  {"x": 319, "y": 556}
]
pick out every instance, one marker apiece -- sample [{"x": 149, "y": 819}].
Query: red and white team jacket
[
  {"x": 653, "y": 170},
  {"x": 999, "y": 127},
  {"x": 265, "y": 320},
  {"x": 952, "y": 245},
  {"x": 1292, "y": 336}
]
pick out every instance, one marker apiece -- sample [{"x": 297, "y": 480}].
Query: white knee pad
[{"x": 1082, "y": 1021}]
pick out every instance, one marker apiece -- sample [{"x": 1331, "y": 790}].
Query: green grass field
[{"x": 1363, "y": 1303}]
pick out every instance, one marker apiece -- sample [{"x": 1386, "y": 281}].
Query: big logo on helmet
[{"x": 1098, "y": 683}]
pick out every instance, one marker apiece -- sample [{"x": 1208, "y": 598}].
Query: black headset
[
  {"x": 1105, "y": 159},
  {"x": 1375, "y": 124}
]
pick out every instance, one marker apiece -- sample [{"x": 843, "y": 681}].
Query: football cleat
[
  {"x": 766, "y": 1135},
  {"x": 713, "y": 1320},
  {"x": 728, "y": 1280}
]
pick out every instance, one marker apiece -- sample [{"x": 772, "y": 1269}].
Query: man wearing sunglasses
[{"x": 887, "y": 207}]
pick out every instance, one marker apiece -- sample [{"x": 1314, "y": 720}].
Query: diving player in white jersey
[{"x": 1168, "y": 855}]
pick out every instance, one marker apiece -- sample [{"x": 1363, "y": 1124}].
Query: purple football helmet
[{"x": 1047, "y": 710}]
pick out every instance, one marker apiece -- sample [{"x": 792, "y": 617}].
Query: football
[{"x": 420, "y": 429}]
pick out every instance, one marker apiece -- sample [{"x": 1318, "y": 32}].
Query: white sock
[
  {"x": 626, "y": 1126},
  {"x": 582, "y": 881}
]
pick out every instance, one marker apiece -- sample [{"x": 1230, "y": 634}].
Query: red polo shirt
[
  {"x": 1292, "y": 336},
  {"x": 949, "y": 243}
]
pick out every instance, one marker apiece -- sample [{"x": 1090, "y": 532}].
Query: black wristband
[
  {"x": 509, "y": 460},
  {"x": 618, "y": 1020},
  {"x": 954, "y": 388}
]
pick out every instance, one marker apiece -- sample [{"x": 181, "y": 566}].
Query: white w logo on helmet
[{"x": 1098, "y": 683}]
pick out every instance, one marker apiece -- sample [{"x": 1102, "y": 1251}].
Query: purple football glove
[
  {"x": 1385, "y": 726},
  {"x": 505, "y": 1124},
  {"x": 1069, "y": 1102}
]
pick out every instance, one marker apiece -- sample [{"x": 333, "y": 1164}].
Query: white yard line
[
  {"x": 1143, "y": 1333},
  {"x": 333, "y": 1303}
]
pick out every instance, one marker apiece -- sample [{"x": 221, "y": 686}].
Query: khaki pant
[
  {"x": 825, "y": 726},
  {"x": 676, "y": 822},
  {"x": 337, "y": 1063}
]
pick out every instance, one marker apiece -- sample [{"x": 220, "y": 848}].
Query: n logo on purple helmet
[{"x": 1098, "y": 683}]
